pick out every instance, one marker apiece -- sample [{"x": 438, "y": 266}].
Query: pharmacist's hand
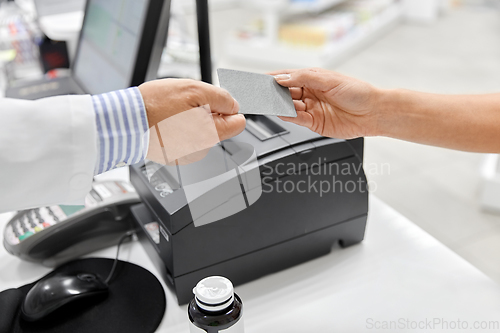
[
  {"x": 168, "y": 97},
  {"x": 331, "y": 104},
  {"x": 183, "y": 111}
]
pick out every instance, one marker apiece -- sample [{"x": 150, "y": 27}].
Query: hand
[
  {"x": 170, "y": 97},
  {"x": 331, "y": 104}
]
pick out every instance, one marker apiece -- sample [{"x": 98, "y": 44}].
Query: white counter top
[{"x": 399, "y": 274}]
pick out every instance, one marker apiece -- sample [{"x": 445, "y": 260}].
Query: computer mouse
[{"x": 55, "y": 291}]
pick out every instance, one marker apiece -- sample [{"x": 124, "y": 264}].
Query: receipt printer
[{"x": 313, "y": 195}]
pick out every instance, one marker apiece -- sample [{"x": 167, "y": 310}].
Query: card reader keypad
[
  {"x": 33, "y": 221},
  {"x": 36, "y": 220}
]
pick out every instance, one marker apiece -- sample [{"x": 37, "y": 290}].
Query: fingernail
[
  {"x": 236, "y": 107},
  {"x": 283, "y": 77}
]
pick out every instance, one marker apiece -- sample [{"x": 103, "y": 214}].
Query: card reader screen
[{"x": 70, "y": 210}]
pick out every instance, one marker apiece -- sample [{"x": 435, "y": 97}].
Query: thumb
[
  {"x": 309, "y": 78},
  {"x": 303, "y": 119},
  {"x": 228, "y": 125}
]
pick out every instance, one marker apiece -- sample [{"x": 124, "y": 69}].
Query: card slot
[{"x": 264, "y": 128}]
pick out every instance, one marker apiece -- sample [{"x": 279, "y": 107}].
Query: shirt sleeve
[
  {"x": 47, "y": 151},
  {"x": 122, "y": 129}
]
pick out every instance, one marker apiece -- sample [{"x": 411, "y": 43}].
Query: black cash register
[{"x": 314, "y": 195}]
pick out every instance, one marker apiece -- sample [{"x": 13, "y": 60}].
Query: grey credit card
[{"x": 257, "y": 93}]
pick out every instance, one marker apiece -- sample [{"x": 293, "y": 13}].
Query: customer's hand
[
  {"x": 180, "y": 114},
  {"x": 331, "y": 104}
]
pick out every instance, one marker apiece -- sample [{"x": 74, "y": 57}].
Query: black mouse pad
[{"x": 135, "y": 304}]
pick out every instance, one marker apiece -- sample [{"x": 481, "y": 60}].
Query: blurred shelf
[
  {"x": 490, "y": 190},
  {"x": 288, "y": 7},
  {"x": 179, "y": 70},
  {"x": 311, "y": 7},
  {"x": 261, "y": 51}
]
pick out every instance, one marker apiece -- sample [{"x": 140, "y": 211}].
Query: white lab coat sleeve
[{"x": 47, "y": 151}]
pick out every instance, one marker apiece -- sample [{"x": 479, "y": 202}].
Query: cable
[{"x": 122, "y": 239}]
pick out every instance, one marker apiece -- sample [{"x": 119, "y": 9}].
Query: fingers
[
  {"x": 303, "y": 119},
  {"x": 300, "y": 105},
  {"x": 229, "y": 126},
  {"x": 297, "y": 93},
  {"x": 309, "y": 78},
  {"x": 283, "y": 71},
  {"x": 220, "y": 100}
]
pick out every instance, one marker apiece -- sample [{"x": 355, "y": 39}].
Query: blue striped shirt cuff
[{"x": 122, "y": 128}]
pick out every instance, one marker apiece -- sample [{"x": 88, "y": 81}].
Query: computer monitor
[{"x": 120, "y": 43}]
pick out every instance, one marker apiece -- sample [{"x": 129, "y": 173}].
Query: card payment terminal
[{"x": 56, "y": 234}]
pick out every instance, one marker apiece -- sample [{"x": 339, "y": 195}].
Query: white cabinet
[{"x": 423, "y": 11}]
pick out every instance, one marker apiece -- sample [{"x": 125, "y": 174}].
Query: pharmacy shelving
[
  {"x": 312, "y": 7},
  {"x": 269, "y": 52},
  {"x": 295, "y": 7},
  {"x": 490, "y": 189}
]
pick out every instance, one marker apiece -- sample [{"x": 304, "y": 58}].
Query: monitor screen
[{"x": 109, "y": 42}]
